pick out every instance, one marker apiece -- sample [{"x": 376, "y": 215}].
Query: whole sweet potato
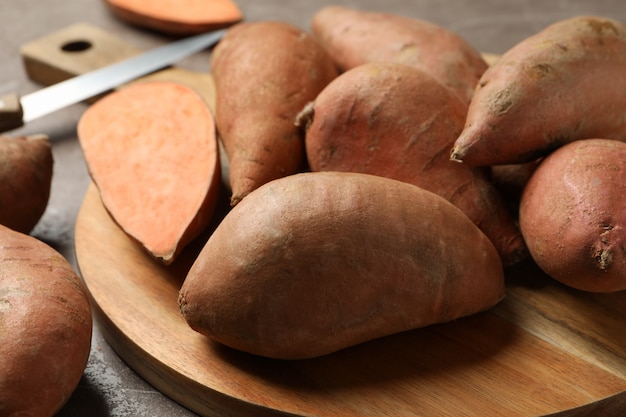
[
  {"x": 353, "y": 37},
  {"x": 265, "y": 72},
  {"x": 315, "y": 262},
  {"x": 26, "y": 165},
  {"x": 45, "y": 327},
  {"x": 565, "y": 83},
  {"x": 396, "y": 121},
  {"x": 572, "y": 215}
]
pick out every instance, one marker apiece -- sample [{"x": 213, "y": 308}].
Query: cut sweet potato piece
[
  {"x": 176, "y": 17},
  {"x": 151, "y": 149}
]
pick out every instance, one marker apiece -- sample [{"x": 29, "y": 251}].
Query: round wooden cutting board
[{"x": 544, "y": 349}]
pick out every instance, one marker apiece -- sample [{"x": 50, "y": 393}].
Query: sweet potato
[
  {"x": 45, "y": 323},
  {"x": 572, "y": 215},
  {"x": 396, "y": 121},
  {"x": 353, "y": 37},
  {"x": 566, "y": 82},
  {"x": 265, "y": 72},
  {"x": 510, "y": 181},
  {"x": 151, "y": 149},
  {"x": 319, "y": 261},
  {"x": 26, "y": 165},
  {"x": 175, "y": 17}
]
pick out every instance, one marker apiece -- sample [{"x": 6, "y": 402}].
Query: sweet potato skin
[
  {"x": 316, "y": 262},
  {"x": 353, "y": 37},
  {"x": 46, "y": 325},
  {"x": 26, "y": 167},
  {"x": 396, "y": 121},
  {"x": 572, "y": 215},
  {"x": 565, "y": 83},
  {"x": 265, "y": 72}
]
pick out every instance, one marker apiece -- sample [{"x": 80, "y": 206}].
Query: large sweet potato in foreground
[
  {"x": 396, "y": 121},
  {"x": 573, "y": 218},
  {"x": 353, "y": 37},
  {"x": 45, "y": 327},
  {"x": 316, "y": 262},
  {"x": 26, "y": 165},
  {"x": 265, "y": 72},
  {"x": 565, "y": 83}
]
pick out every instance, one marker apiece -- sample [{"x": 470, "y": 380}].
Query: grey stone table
[{"x": 109, "y": 387}]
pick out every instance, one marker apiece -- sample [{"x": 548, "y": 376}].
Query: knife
[{"x": 16, "y": 110}]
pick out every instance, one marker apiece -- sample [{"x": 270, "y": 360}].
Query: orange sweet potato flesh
[
  {"x": 572, "y": 215},
  {"x": 353, "y": 37},
  {"x": 177, "y": 17},
  {"x": 265, "y": 72},
  {"x": 151, "y": 149},
  {"x": 26, "y": 165},
  {"x": 319, "y": 261},
  {"x": 396, "y": 121},
  {"x": 564, "y": 83},
  {"x": 45, "y": 323}
]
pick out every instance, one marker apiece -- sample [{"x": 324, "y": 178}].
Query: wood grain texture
[{"x": 545, "y": 349}]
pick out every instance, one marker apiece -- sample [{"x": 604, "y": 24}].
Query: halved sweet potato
[{"x": 151, "y": 149}]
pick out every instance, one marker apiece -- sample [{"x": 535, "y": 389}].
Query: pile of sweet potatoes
[
  {"x": 376, "y": 183},
  {"x": 420, "y": 172}
]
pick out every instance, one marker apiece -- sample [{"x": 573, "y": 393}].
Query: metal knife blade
[{"x": 16, "y": 110}]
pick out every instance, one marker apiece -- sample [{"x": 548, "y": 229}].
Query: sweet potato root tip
[
  {"x": 259, "y": 130},
  {"x": 151, "y": 149},
  {"x": 26, "y": 168},
  {"x": 172, "y": 17},
  {"x": 326, "y": 260}
]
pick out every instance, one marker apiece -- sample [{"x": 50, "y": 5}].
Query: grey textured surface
[{"x": 109, "y": 388}]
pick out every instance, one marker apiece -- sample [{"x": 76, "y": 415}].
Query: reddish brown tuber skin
[
  {"x": 572, "y": 215},
  {"x": 396, "y": 121},
  {"x": 565, "y": 83},
  {"x": 45, "y": 327},
  {"x": 26, "y": 165},
  {"x": 354, "y": 37},
  {"x": 316, "y": 262},
  {"x": 265, "y": 72}
]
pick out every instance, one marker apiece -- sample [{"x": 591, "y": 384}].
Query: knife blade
[{"x": 16, "y": 110}]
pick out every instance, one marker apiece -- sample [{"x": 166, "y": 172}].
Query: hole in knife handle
[{"x": 76, "y": 46}]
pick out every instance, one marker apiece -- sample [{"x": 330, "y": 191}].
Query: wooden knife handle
[{"x": 11, "y": 113}]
